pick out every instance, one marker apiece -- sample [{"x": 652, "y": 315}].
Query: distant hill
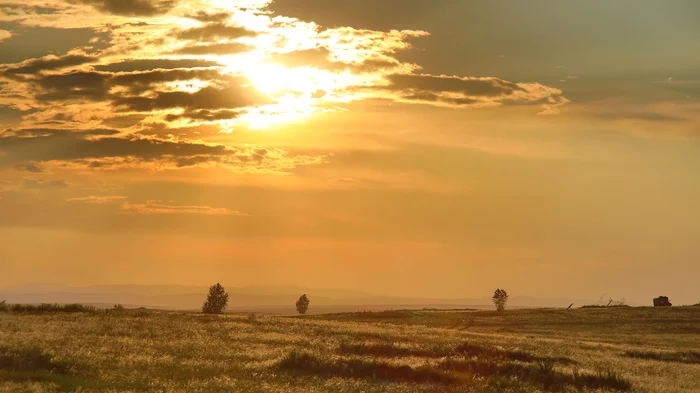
[{"x": 246, "y": 298}]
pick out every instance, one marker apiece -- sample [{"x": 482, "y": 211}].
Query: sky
[{"x": 399, "y": 147}]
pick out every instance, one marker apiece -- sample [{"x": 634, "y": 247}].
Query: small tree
[
  {"x": 3, "y": 306},
  {"x": 500, "y": 298},
  {"x": 303, "y": 304},
  {"x": 217, "y": 300}
]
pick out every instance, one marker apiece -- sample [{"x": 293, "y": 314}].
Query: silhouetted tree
[
  {"x": 303, "y": 304},
  {"x": 500, "y": 298},
  {"x": 217, "y": 300}
]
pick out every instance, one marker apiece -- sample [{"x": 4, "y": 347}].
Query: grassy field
[{"x": 582, "y": 350}]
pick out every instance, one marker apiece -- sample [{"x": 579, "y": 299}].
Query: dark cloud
[
  {"x": 434, "y": 97},
  {"x": 10, "y": 115},
  {"x": 141, "y": 80},
  {"x": 29, "y": 167},
  {"x": 48, "y": 63},
  {"x": 23, "y": 10},
  {"x": 50, "y": 132},
  {"x": 155, "y": 64},
  {"x": 130, "y": 7},
  {"x": 206, "y": 115},
  {"x": 236, "y": 95},
  {"x": 123, "y": 121},
  {"x": 214, "y": 31},
  {"x": 112, "y": 152},
  {"x": 61, "y": 145},
  {"x": 473, "y": 87},
  {"x": 320, "y": 57},
  {"x": 203, "y": 16},
  {"x": 91, "y": 86},
  {"x": 144, "y": 91},
  {"x": 229, "y": 48}
]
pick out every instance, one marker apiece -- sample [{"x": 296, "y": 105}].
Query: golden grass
[{"x": 127, "y": 351}]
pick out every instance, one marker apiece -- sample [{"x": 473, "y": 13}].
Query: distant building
[{"x": 662, "y": 301}]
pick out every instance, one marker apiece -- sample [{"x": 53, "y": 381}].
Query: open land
[{"x": 525, "y": 351}]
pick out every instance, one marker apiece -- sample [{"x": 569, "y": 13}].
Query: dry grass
[{"x": 130, "y": 351}]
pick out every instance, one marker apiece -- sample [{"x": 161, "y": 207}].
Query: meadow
[{"x": 520, "y": 351}]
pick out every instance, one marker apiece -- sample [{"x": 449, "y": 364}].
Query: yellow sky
[{"x": 410, "y": 148}]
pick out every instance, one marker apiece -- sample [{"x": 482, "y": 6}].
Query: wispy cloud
[
  {"x": 95, "y": 199},
  {"x": 4, "y": 34},
  {"x": 155, "y": 208}
]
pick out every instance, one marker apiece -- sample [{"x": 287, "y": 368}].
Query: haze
[{"x": 414, "y": 148}]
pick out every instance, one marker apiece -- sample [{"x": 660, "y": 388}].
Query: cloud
[
  {"x": 204, "y": 16},
  {"x": 41, "y": 184},
  {"x": 205, "y": 115},
  {"x": 4, "y": 34},
  {"x": 165, "y": 69},
  {"x": 99, "y": 149},
  {"x": 215, "y": 31},
  {"x": 161, "y": 76},
  {"x": 80, "y": 85},
  {"x": 321, "y": 57},
  {"x": 29, "y": 167},
  {"x": 49, "y": 63},
  {"x": 229, "y": 48},
  {"x": 236, "y": 95},
  {"x": 455, "y": 91},
  {"x": 155, "y": 64},
  {"x": 155, "y": 208},
  {"x": 454, "y": 84},
  {"x": 217, "y": 91},
  {"x": 98, "y": 199},
  {"x": 130, "y": 7}
]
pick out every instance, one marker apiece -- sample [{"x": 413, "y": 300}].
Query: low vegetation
[
  {"x": 46, "y": 308},
  {"x": 520, "y": 351}
]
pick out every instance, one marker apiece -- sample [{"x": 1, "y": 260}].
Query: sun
[
  {"x": 275, "y": 79},
  {"x": 295, "y": 93}
]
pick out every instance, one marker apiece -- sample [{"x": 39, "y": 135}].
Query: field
[{"x": 580, "y": 350}]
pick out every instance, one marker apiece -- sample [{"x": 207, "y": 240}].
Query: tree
[
  {"x": 500, "y": 298},
  {"x": 217, "y": 300},
  {"x": 303, "y": 304}
]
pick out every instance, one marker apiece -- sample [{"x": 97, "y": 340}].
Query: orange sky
[{"x": 415, "y": 148}]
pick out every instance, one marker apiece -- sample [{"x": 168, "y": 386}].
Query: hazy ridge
[{"x": 277, "y": 299}]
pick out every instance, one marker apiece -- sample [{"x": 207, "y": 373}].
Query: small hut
[{"x": 662, "y": 301}]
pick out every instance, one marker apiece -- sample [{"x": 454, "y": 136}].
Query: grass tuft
[
  {"x": 689, "y": 357},
  {"x": 389, "y": 351},
  {"x": 21, "y": 365},
  {"x": 302, "y": 363},
  {"x": 541, "y": 373},
  {"x": 470, "y": 350},
  {"x": 30, "y": 360}
]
